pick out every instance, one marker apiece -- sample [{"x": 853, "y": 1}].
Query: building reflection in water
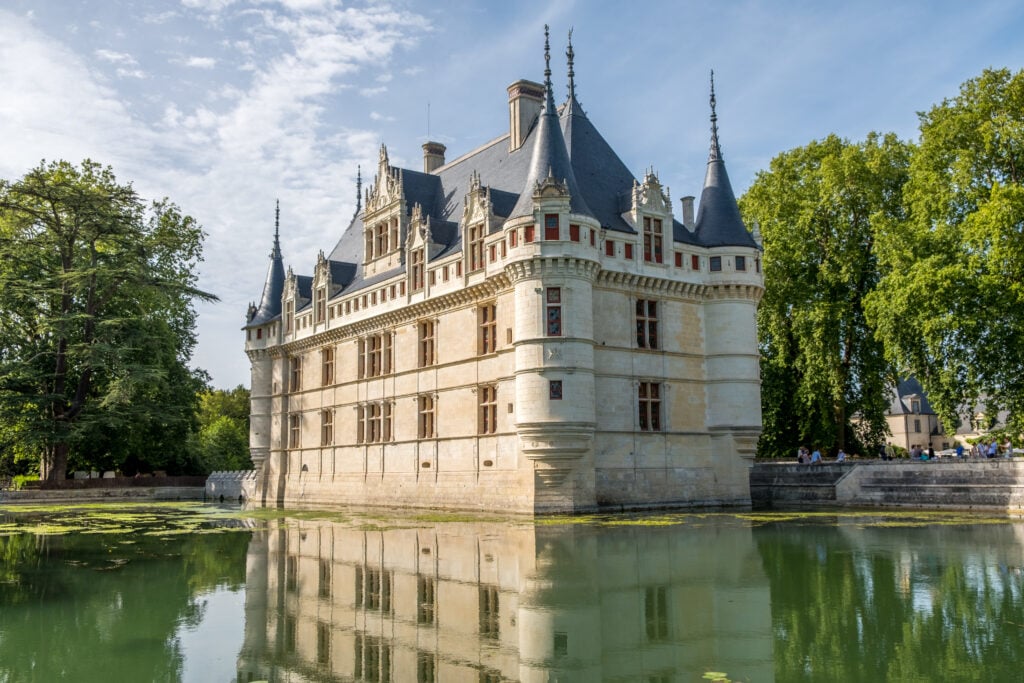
[{"x": 504, "y": 602}]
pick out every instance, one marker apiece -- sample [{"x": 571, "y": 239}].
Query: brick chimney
[
  {"x": 525, "y": 101},
  {"x": 433, "y": 156}
]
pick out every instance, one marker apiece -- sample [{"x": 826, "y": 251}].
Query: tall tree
[
  {"x": 951, "y": 304},
  {"x": 96, "y": 312},
  {"x": 817, "y": 208}
]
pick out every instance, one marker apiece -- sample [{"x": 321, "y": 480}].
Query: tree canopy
[
  {"x": 96, "y": 320},
  {"x": 818, "y": 208},
  {"x": 950, "y": 306}
]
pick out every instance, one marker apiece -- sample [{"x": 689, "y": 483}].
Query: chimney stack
[
  {"x": 525, "y": 101},
  {"x": 687, "y": 212},
  {"x": 433, "y": 156}
]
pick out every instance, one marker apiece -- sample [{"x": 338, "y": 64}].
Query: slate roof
[
  {"x": 270, "y": 302},
  {"x": 900, "y": 401},
  {"x": 566, "y": 142}
]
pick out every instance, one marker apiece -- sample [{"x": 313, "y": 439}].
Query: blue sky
[{"x": 225, "y": 105}]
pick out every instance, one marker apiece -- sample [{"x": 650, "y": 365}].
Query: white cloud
[
  {"x": 199, "y": 62},
  {"x": 160, "y": 17},
  {"x": 372, "y": 92},
  {"x": 130, "y": 73},
  {"x": 115, "y": 57},
  {"x": 375, "y": 116}
]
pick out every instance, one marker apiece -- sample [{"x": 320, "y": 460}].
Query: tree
[
  {"x": 950, "y": 306},
  {"x": 96, "y": 317},
  {"x": 818, "y": 207},
  {"x": 222, "y": 442}
]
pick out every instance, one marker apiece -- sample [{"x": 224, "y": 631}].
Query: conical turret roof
[
  {"x": 550, "y": 157},
  {"x": 270, "y": 303},
  {"x": 719, "y": 223}
]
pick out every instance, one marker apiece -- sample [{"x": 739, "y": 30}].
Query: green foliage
[
  {"x": 222, "y": 442},
  {"x": 950, "y": 306},
  {"x": 818, "y": 208},
  {"x": 96, "y": 321}
]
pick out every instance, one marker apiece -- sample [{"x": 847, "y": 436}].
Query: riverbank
[
  {"x": 136, "y": 493},
  {"x": 941, "y": 484}
]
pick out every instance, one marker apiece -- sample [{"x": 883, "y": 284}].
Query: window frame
[
  {"x": 647, "y": 336},
  {"x": 649, "y": 400}
]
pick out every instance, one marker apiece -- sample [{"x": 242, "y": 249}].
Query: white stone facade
[{"x": 552, "y": 359}]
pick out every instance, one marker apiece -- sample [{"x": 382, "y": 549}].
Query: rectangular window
[
  {"x": 490, "y": 622},
  {"x": 326, "y": 367},
  {"x": 917, "y": 424},
  {"x": 294, "y": 431},
  {"x": 289, "y": 316},
  {"x": 376, "y": 355},
  {"x": 326, "y": 427},
  {"x": 629, "y": 251},
  {"x": 323, "y": 643},
  {"x": 646, "y": 324},
  {"x": 492, "y": 252},
  {"x": 574, "y": 233},
  {"x": 488, "y": 417},
  {"x": 476, "y": 247},
  {"x": 741, "y": 263},
  {"x": 555, "y": 390},
  {"x": 426, "y": 594},
  {"x": 458, "y": 269},
  {"x": 504, "y": 249},
  {"x": 426, "y": 667},
  {"x": 444, "y": 274},
  {"x": 321, "y": 304},
  {"x": 679, "y": 259},
  {"x": 656, "y": 612},
  {"x": 488, "y": 329},
  {"x": 386, "y": 410},
  {"x": 609, "y": 248},
  {"x": 426, "y": 417},
  {"x": 416, "y": 269},
  {"x": 554, "y": 312},
  {"x": 652, "y": 239},
  {"x": 649, "y": 402},
  {"x": 372, "y": 659},
  {"x": 324, "y": 584},
  {"x": 425, "y": 329},
  {"x": 694, "y": 262},
  {"x": 593, "y": 237},
  {"x": 551, "y": 226},
  {"x": 295, "y": 379},
  {"x": 528, "y": 233},
  {"x": 715, "y": 264},
  {"x": 433, "y": 278},
  {"x": 513, "y": 239},
  {"x": 757, "y": 265},
  {"x": 259, "y": 333}
]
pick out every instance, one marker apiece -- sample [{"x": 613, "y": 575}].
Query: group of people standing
[{"x": 805, "y": 457}]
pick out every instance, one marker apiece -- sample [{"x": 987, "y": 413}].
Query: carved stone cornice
[{"x": 539, "y": 266}]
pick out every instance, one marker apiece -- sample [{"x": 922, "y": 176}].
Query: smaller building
[{"x": 912, "y": 420}]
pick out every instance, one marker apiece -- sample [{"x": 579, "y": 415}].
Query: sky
[{"x": 224, "y": 106}]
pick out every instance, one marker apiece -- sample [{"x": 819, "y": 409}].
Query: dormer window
[
  {"x": 321, "y": 304},
  {"x": 551, "y": 226},
  {"x": 289, "y": 316},
  {"x": 476, "y": 247},
  {"x": 416, "y": 270},
  {"x": 652, "y": 240}
]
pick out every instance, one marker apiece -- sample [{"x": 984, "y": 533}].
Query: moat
[{"x": 187, "y": 592}]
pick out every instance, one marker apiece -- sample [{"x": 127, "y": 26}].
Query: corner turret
[{"x": 270, "y": 302}]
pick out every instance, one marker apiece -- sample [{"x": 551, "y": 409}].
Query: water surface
[{"x": 186, "y": 592}]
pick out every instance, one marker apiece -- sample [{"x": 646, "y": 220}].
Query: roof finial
[
  {"x": 547, "y": 60},
  {"x": 276, "y": 253},
  {"x": 572, "y": 75},
  {"x": 716, "y": 150},
  {"x": 359, "y": 188}
]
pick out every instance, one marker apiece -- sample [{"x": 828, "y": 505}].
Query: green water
[{"x": 194, "y": 593}]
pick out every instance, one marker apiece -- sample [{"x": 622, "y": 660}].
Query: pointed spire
[
  {"x": 570, "y": 55},
  {"x": 270, "y": 302},
  {"x": 718, "y": 219},
  {"x": 276, "y": 253},
  {"x": 550, "y": 158},
  {"x": 716, "y": 150}
]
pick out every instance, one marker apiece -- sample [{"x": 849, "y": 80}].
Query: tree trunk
[{"x": 54, "y": 466}]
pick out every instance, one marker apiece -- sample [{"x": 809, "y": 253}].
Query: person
[
  {"x": 931, "y": 453},
  {"x": 816, "y": 456},
  {"x": 1008, "y": 448},
  {"x": 841, "y": 456},
  {"x": 992, "y": 449},
  {"x": 959, "y": 450}
]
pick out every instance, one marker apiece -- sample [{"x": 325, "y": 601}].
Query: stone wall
[{"x": 986, "y": 484}]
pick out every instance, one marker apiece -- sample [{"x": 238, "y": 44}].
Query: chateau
[{"x": 526, "y": 328}]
